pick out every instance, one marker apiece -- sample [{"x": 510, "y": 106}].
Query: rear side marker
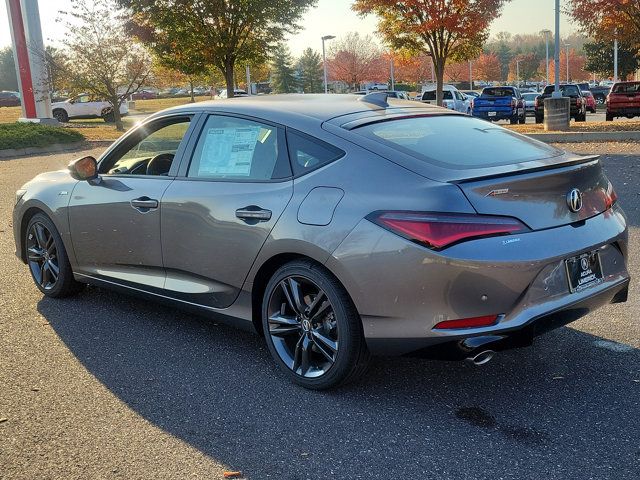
[{"x": 473, "y": 322}]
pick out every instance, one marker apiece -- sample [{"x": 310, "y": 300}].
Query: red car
[
  {"x": 144, "y": 95},
  {"x": 590, "y": 101},
  {"x": 624, "y": 100},
  {"x": 9, "y": 99}
]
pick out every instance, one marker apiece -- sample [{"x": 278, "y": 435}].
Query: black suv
[{"x": 578, "y": 109}]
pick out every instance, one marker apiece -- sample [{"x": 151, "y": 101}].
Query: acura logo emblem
[{"x": 574, "y": 200}]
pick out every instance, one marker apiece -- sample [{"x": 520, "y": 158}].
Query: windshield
[
  {"x": 431, "y": 95},
  {"x": 498, "y": 92},
  {"x": 530, "y": 96},
  {"x": 436, "y": 140},
  {"x": 627, "y": 87},
  {"x": 566, "y": 90}
]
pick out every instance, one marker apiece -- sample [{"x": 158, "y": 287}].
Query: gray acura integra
[{"x": 338, "y": 226}]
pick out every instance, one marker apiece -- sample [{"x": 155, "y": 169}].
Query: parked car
[
  {"x": 452, "y": 98},
  {"x": 590, "y": 100},
  {"x": 85, "y": 106},
  {"x": 471, "y": 93},
  {"x": 500, "y": 103},
  {"x": 529, "y": 99},
  {"x": 624, "y": 100},
  {"x": 377, "y": 86},
  {"x": 257, "y": 213},
  {"x": 9, "y": 99},
  {"x": 578, "y": 110},
  {"x": 600, "y": 93},
  {"x": 144, "y": 95},
  {"x": 390, "y": 93},
  {"x": 237, "y": 92}
]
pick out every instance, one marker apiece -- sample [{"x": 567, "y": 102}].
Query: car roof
[{"x": 288, "y": 108}]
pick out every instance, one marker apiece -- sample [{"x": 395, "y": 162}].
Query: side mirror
[{"x": 85, "y": 168}]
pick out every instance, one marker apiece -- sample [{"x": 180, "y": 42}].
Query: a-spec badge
[{"x": 499, "y": 191}]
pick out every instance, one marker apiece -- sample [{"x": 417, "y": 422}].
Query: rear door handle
[
  {"x": 253, "y": 213},
  {"x": 144, "y": 204}
]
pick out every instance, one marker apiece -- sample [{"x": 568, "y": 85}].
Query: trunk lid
[{"x": 542, "y": 199}]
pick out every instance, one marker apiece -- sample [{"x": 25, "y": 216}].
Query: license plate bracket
[{"x": 584, "y": 271}]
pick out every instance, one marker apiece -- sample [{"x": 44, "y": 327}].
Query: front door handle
[
  {"x": 144, "y": 204},
  {"x": 253, "y": 213}
]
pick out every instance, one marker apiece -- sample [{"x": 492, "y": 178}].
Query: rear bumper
[
  {"x": 500, "y": 115},
  {"x": 623, "y": 112},
  {"x": 402, "y": 290}
]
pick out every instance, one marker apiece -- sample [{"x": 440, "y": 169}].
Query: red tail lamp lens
[
  {"x": 611, "y": 197},
  {"x": 437, "y": 231},
  {"x": 473, "y": 322}
]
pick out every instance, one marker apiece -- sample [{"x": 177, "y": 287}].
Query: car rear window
[
  {"x": 627, "y": 87},
  {"x": 431, "y": 95},
  {"x": 456, "y": 141},
  {"x": 570, "y": 90},
  {"x": 530, "y": 96},
  {"x": 498, "y": 92}
]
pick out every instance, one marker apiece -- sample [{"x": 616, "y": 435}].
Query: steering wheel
[{"x": 160, "y": 164}]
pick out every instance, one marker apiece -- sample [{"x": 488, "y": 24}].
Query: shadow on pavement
[{"x": 564, "y": 408}]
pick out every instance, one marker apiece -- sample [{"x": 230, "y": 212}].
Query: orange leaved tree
[
  {"x": 606, "y": 19},
  {"x": 488, "y": 67},
  {"x": 447, "y": 30}
]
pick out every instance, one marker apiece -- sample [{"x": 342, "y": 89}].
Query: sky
[{"x": 333, "y": 17}]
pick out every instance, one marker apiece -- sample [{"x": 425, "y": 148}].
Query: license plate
[
  {"x": 492, "y": 114},
  {"x": 584, "y": 271}
]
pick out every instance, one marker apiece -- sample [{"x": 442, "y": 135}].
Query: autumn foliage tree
[
  {"x": 456, "y": 72},
  {"x": 488, "y": 67},
  {"x": 355, "y": 59},
  {"x": 524, "y": 67},
  {"x": 447, "y": 30},
  {"x": 576, "y": 67},
  {"x": 606, "y": 19},
  {"x": 410, "y": 67}
]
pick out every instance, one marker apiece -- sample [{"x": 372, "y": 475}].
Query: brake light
[
  {"x": 484, "y": 321},
  {"x": 535, "y": 102},
  {"x": 471, "y": 104},
  {"x": 578, "y": 102},
  {"x": 610, "y": 196},
  {"x": 513, "y": 102},
  {"x": 440, "y": 230}
]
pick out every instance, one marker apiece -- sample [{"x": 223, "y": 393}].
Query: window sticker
[{"x": 228, "y": 151}]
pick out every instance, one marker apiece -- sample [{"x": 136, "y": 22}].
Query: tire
[
  {"x": 513, "y": 120},
  {"x": 539, "y": 119},
  {"x": 522, "y": 120},
  {"x": 316, "y": 351},
  {"x": 108, "y": 116},
  {"x": 45, "y": 253},
  {"x": 61, "y": 115},
  {"x": 581, "y": 117},
  {"x": 609, "y": 117}
]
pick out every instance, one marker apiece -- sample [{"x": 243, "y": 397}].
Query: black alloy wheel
[
  {"x": 312, "y": 328},
  {"x": 47, "y": 259}
]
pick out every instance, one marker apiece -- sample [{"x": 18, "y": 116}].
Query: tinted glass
[
  {"x": 235, "y": 148},
  {"x": 436, "y": 139},
  {"x": 431, "y": 95},
  {"x": 530, "y": 96},
  {"x": 308, "y": 153},
  {"x": 627, "y": 87},
  {"x": 567, "y": 90},
  {"x": 159, "y": 140},
  {"x": 498, "y": 92}
]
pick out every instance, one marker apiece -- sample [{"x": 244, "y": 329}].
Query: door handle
[
  {"x": 144, "y": 204},
  {"x": 253, "y": 213}
]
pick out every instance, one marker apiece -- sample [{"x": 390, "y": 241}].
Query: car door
[
  {"x": 115, "y": 221},
  {"x": 219, "y": 211}
]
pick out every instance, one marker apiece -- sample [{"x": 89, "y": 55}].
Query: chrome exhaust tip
[{"x": 481, "y": 358}]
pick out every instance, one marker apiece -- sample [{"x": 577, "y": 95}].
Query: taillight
[
  {"x": 513, "y": 102},
  {"x": 484, "y": 321},
  {"x": 535, "y": 102},
  {"x": 471, "y": 104},
  {"x": 610, "y": 196},
  {"x": 578, "y": 102},
  {"x": 441, "y": 230}
]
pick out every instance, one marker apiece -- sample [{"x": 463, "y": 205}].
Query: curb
[
  {"x": 577, "y": 137},
  {"x": 51, "y": 149}
]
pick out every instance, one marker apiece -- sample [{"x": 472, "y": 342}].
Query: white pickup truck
[{"x": 85, "y": 106}]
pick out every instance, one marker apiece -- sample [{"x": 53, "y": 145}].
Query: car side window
[
  {"x": 308, "y": 153},
  {"x": 148, "y": 151},
  {"x": 233, "y": 148}
]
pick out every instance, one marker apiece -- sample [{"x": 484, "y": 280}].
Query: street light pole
[
  {"x": 546, "y": 35},
  {"x": 470, "y": 77},
  {"x": 567, "y": 45},
  {"x": 518, "y": 73},
  {"x": 393, "y": 81},
  {"x": 324, "y": 61},
  {"x": 615, "y": 57},
  {"x": 556, "y": 59}
]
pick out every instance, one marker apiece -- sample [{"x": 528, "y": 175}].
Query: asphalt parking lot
[{"x": 107, "y": 386}]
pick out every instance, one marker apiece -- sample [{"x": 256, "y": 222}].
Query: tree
[
  {"x": 529, "y": 64},
  {"x": 487, "y": 67},
  {"x": 457, "y": 72},
  {"x": 310, "y": 71},
  {"x": 355, "y": 59},
  {"x": 606, "y": 19},
  {"x": 576, "y": 67},
  {"x": 103, "y": 59},
  {"x": 8, "y": 76},
  {"x": 447, "y": 30},
  {"x": 599, "y": 59},
  {"x": 410, "y": 67},
  {"x": 283, "y": 73},
  {"x": 224, "y": 32}
]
